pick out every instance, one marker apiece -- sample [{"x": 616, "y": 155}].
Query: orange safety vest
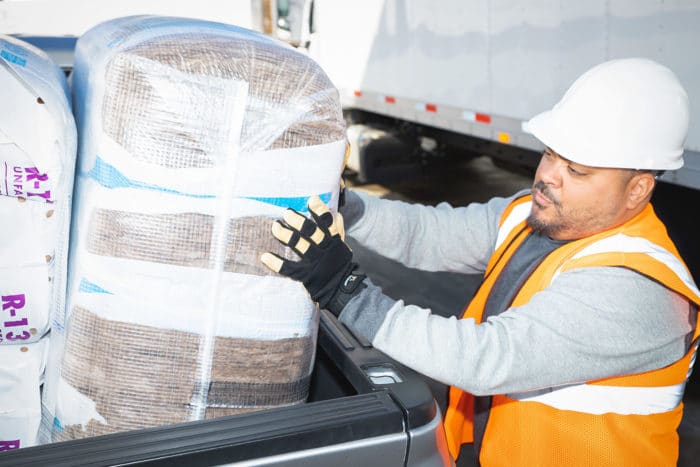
[{"x": 628, "y": 420}]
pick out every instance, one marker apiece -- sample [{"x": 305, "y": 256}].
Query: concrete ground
[{"x": 446, "y": 293}]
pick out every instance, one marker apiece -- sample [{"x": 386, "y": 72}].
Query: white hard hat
[{"x": 630, "y": 113}]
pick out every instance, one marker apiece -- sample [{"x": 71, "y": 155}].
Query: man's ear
[{"x": 639, "y": 189}]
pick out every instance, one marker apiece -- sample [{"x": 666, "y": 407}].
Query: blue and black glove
[{"x": 326, "y": 268}]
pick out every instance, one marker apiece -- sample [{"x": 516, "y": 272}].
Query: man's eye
[{"x": 575, "y": 172}]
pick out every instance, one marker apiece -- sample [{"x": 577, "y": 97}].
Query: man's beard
[
  {"x": 543, "y": 228},
  {"x": 539, "y": 226}
]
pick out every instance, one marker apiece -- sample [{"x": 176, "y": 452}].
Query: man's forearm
[
  {"x": 514, "y": 351},
  {"x": 366, "y": 311},
  {"x": 440, "y": 238}
]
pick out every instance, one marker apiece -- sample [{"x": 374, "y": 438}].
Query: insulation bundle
[
  {"x": 37, "y": 159},
  {"x": 195, "y": 137}
]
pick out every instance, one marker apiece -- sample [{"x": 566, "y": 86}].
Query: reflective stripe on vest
[
  {"x": 621, "y": 243},
  {"x": 518, "y": 214},
  {"x": 584, "y": 424},
  {"x": 595, "y": 399}
]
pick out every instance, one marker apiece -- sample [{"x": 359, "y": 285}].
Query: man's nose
[{"x": 551, "y": 170}]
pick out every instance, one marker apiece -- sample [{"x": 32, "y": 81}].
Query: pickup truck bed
[{"x": 364, "y": 409}]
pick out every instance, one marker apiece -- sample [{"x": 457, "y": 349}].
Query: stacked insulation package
[
  {"x": 37, "y": 159},
  {"x": 195, "y": 136}
]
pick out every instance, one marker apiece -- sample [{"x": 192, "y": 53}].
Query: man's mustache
[{"x": 544, "y": 191}]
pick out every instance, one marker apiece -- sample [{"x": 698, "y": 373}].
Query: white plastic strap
[
  {"x": 286, "y": 173},
  {"x": 238, "y": 98}
]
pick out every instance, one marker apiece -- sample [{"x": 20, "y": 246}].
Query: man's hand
[{"x": 326, "y": 268}]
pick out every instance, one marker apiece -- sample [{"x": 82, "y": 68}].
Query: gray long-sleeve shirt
[{"x": 588, "y": 324}]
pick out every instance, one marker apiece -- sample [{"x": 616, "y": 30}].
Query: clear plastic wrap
[
  {"x": 37, "y": 160},
  {"x": 195, "y": 136}
]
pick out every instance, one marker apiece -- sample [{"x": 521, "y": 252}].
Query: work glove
[{"x": 326, "y": 268}]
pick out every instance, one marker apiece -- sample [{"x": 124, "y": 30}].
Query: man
[{"x": 580, "y": 339}]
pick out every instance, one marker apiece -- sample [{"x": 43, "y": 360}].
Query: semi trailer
[{"x": 421, "y": 80}]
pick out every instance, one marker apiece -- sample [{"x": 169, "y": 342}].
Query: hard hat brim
[{"x": 576, "y": 148}]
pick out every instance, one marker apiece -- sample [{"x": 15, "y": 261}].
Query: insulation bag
[
  {"x": 195, "y": 137},
  {"x": 37, "y": 160}
]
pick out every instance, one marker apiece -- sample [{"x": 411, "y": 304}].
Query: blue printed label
[{"x": 13, "y": 58}]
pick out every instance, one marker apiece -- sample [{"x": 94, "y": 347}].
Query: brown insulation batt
[{"x": 140, "y": 376}]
